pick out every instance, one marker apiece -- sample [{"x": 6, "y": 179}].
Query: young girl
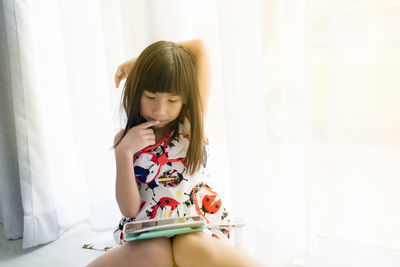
[{"x": 161, "y": 160}]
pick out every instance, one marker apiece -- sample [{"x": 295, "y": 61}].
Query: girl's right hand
[
  {"x": 136, "y": 138},
  {"x": 123, "y": 71}
]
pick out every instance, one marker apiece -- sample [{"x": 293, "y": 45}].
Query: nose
[{"x": 160, "y": 110}]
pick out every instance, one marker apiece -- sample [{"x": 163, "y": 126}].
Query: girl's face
[{"x": 163, "y": 107}]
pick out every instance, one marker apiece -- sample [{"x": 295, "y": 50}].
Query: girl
[{"x": 161, "y": 160}]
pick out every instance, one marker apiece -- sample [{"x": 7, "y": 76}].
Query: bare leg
[
  {"x": 148, "y": 252},
  {"x": 198, "y": 249}
]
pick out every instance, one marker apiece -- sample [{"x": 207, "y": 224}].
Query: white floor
[{"x": 63, "y": 252}]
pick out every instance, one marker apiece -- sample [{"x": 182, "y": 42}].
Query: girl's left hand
[{"x": 123, "y": 71}]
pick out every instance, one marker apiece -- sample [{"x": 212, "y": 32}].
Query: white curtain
[
  {"x": 302, "y": 119},
  {"x": 64, "y": 118},
  {"x": 352, "y": 196}
]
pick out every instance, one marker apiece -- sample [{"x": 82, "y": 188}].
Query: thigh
[
  {"x": 194, "y": 249},
  {"x": 146, "y": 252},
  {"x": 199, "y": 249}
]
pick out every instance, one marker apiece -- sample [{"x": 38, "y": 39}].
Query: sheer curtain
[
  {"x": 63, "y": 118},
  {"x": 332, "y": 130},
  {"x": 302, "y": 118},
  {"x": 352, "y": 198}
]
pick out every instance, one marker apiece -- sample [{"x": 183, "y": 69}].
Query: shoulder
[{"x": 118, "y": 136}]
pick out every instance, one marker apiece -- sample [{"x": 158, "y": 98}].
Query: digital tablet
[
  {"x": 165, "y": 232},
  {"x": 132, "y": 229}
]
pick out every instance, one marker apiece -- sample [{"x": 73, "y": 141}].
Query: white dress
[{"x": 167, "y": 190}]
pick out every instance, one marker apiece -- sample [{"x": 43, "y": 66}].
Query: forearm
[
  {"x": 126, "y": 190},
  {"x": 201, "y": 54}
]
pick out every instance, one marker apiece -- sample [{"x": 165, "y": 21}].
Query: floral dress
[{"x": 167, "y": 190}]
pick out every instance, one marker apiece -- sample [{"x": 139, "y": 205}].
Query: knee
[
  {"x": 193, "y": 249},
  {"x": 154, "y": 252}
]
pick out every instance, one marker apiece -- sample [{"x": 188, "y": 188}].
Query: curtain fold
[
  {"x": 249, "y": 155},
  {"x": 63, "y": 119},
  {"x": 11, "y": 211}
]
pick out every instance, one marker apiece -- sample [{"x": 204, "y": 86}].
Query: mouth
[{"x": 161, "y": 121}]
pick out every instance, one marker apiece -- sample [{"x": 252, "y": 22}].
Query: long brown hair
[{"x": 164, "y": 67}]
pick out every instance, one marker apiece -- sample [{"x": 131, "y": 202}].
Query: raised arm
[{"x": 201, "y": 54}]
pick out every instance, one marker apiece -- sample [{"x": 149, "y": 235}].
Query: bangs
[{"x": 168, "y": 74}]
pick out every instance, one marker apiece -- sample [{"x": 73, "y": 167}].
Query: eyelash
[{"x": 152, "y": 98}]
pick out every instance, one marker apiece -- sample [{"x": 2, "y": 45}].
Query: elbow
[
  {"x": 130, "y": 213},
  {"x": 129, "y": 210},
  {"x": 198, "y": 46},
  {"x": 201, "y": 44}
]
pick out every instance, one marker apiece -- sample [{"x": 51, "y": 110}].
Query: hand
[
  {"x": 123, "y": 71},
  {"x": 137, "y": 138}
]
